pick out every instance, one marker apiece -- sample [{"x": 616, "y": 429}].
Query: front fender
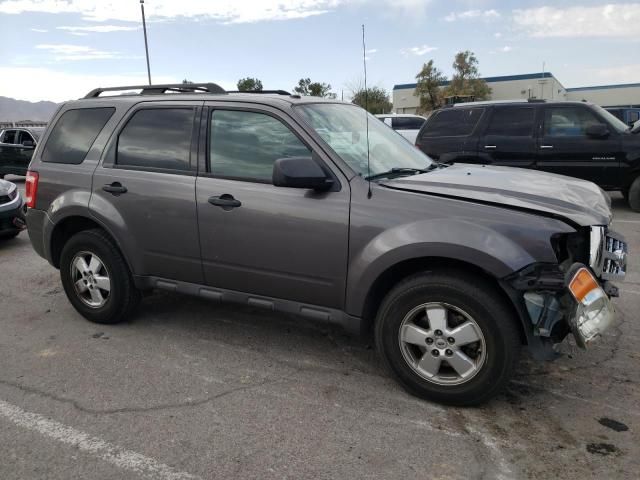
[{"x": 498, "y": 249}]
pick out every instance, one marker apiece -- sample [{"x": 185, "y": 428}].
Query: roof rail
[
  {"x": 278, "y": 92},
  {"x": 155, "y": 89},
  {"x": 536, "y": 100}
]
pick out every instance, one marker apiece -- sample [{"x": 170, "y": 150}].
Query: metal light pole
[{"x": 146, "y": 45}]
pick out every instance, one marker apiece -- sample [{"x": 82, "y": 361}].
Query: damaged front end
[{"x": 574, "y": 295}]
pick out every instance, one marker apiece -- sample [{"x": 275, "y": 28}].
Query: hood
[{"x": 579, "y": 201}]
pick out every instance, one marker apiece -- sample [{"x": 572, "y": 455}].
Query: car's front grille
[{"x": 614, "y": 256}]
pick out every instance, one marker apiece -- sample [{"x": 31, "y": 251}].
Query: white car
[{"x": 405, "y": 124}]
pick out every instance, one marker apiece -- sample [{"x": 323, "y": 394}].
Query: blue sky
[{"x": 59, "y": 49}]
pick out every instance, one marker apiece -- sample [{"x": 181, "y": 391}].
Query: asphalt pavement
[{"x": 195, "y": 390}]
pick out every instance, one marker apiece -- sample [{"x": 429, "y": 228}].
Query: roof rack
[
  {"x": 156, "y": 89},
  {"x": 277, "y": 92}
]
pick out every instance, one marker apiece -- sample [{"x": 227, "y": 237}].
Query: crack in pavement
[{"x": 108, "y": 411}]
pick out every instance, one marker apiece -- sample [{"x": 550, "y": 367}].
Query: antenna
[{"x": 366, "y": 107}]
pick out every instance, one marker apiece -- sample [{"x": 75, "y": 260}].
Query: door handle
[
  {"x": 546, "y": 147},
  {"x": 490, "y": 147},
  {"x": 115, "y": 188},
  {"x": 226, "y": 201}
]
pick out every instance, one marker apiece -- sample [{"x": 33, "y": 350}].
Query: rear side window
[
  {"x": 512, "y": 122},
  {"x": 158, "y": 138},
  {"x": 74, "y": 133},
  {"x": 25, "y": 137},
  {"x": 453, "y": 122},
  {"x": 407, "y": 123}
]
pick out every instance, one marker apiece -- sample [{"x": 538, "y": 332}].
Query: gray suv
[{"x": 313, "y": 207}]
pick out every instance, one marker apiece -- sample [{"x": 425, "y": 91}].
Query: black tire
[
  {"x": 633, "y": 197},
  {"x": 123, "y": 296},
  {"x": 484, "y": 304}
]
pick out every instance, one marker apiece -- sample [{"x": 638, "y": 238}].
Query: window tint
[
  {"x": 515, "y": 122},
  {"x": 452, "y": 122},
  {"x": 10, "y": 136},
  {"x": 74, "y": 133},
  {"x": 407, "y": 123},
  {"x": 568, "y": 121},
  {"x": 634, "y": 116},
  {"x": 245, "y": 144},
  {"x": 25, "y": 137},
  {"x": 157, "y": 138}
]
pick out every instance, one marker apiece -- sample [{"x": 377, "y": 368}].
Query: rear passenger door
[
  {"x": 565, "y": 148},
  {"x": 448, "y": 135},
  {"x": 509, "y": 137},
  {"x": 9, "y": 150},
  {"x": 144, "y": 189}
]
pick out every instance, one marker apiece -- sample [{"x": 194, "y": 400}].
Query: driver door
[{"x": 284, "y": 243}]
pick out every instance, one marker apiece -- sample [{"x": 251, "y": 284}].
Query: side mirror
[
  {"x": 597, "y": 130},
  {"x": 28, "y": 143},
  {"x": 300, "y": 172}
]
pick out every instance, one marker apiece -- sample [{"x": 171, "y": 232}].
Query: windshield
[
  {"x": 344, "y": 128},
  {"x": 614, "y": 121}
]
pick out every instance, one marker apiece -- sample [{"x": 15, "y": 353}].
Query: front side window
[
  {"x": 245, "y": 145},
  {"x": 10, "y": 137},
  {"x": 453, "y": 122},
  {"x": 344, "y": 129},
  {"x": 511, "y": 122},
  {"x": 157, "y": 138},
  {"x": 74, "y": 133},
  {"x": 568, "y": 121}
]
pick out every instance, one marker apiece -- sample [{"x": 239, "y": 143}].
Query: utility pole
[{"x": 146, "y": 45}]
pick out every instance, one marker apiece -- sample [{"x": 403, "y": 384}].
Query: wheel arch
[
  {"x": 68, "y": 226},
  {"x": 397, "y": 272}
]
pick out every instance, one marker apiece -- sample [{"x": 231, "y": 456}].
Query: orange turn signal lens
[{"x": 582, "y": 283}]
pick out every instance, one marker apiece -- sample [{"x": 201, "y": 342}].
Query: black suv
[
  {"x": 16, "y": 148},
  {"x": 578, "y": 139}
]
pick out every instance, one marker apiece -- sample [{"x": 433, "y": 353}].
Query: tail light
[{"x": 31, "y": 189}]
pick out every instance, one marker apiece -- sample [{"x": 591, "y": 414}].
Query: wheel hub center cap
[{"x": 440, "y": 343}]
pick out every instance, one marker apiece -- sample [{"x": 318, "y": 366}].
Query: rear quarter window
[
  {"x": 452, "y": 122},
  {"x": 74, "y": 133}
]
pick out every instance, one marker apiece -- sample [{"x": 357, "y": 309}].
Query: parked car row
[
  {"x": 310, "y": 206},
  {"x": 577, "y": 139},
  {"x": 12, "y": 220}
]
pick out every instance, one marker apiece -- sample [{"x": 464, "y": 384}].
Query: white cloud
[
  {"x": 497, "y": 35},
  {"x": 419, "y": 51},
  {"x": 39, "y": 30},
  {"x": 26, "y": 83},
  {"x": 64, "y": 52},
  {"x": 83, "y": 30},
  {"x": 506, "y": 49},
  {"x": 472, "y": 14},
  {"x": 612, "y": 75},
  {"x": 619, "y": 20},
  {"x": 230, "y": 11}
]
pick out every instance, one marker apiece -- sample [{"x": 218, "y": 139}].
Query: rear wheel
[
  {"x": 634, "y": 195},
  {"x": 448, "y": 338},
  {"x": 96, "y": 278}
]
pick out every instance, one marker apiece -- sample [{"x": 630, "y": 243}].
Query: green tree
[
  {"x": 466, "y": 78},
  {"x": 249, "y": 85},
  {"x": 185, "y": 81},
  {"x": 315, "y": 89},
  {"x": 428, "y": 88},
  {"x": 375, "y": 99}
]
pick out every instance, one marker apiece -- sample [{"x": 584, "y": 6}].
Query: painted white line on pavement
[{"x": 109, "y": 452}]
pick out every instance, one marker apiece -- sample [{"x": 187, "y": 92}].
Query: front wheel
[
  {"x": 633, "y": 196},
  {"x": 96, "y": 278},
  {"x": 448, "y": 338}
]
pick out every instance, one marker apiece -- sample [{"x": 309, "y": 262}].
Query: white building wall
[{"x": 534, "y": 86}]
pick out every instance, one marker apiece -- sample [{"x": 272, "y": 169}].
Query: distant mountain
[{"x": 16, "y": 110}]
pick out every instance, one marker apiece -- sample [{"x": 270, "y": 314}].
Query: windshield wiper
[{"x": 400, "y": 171}]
